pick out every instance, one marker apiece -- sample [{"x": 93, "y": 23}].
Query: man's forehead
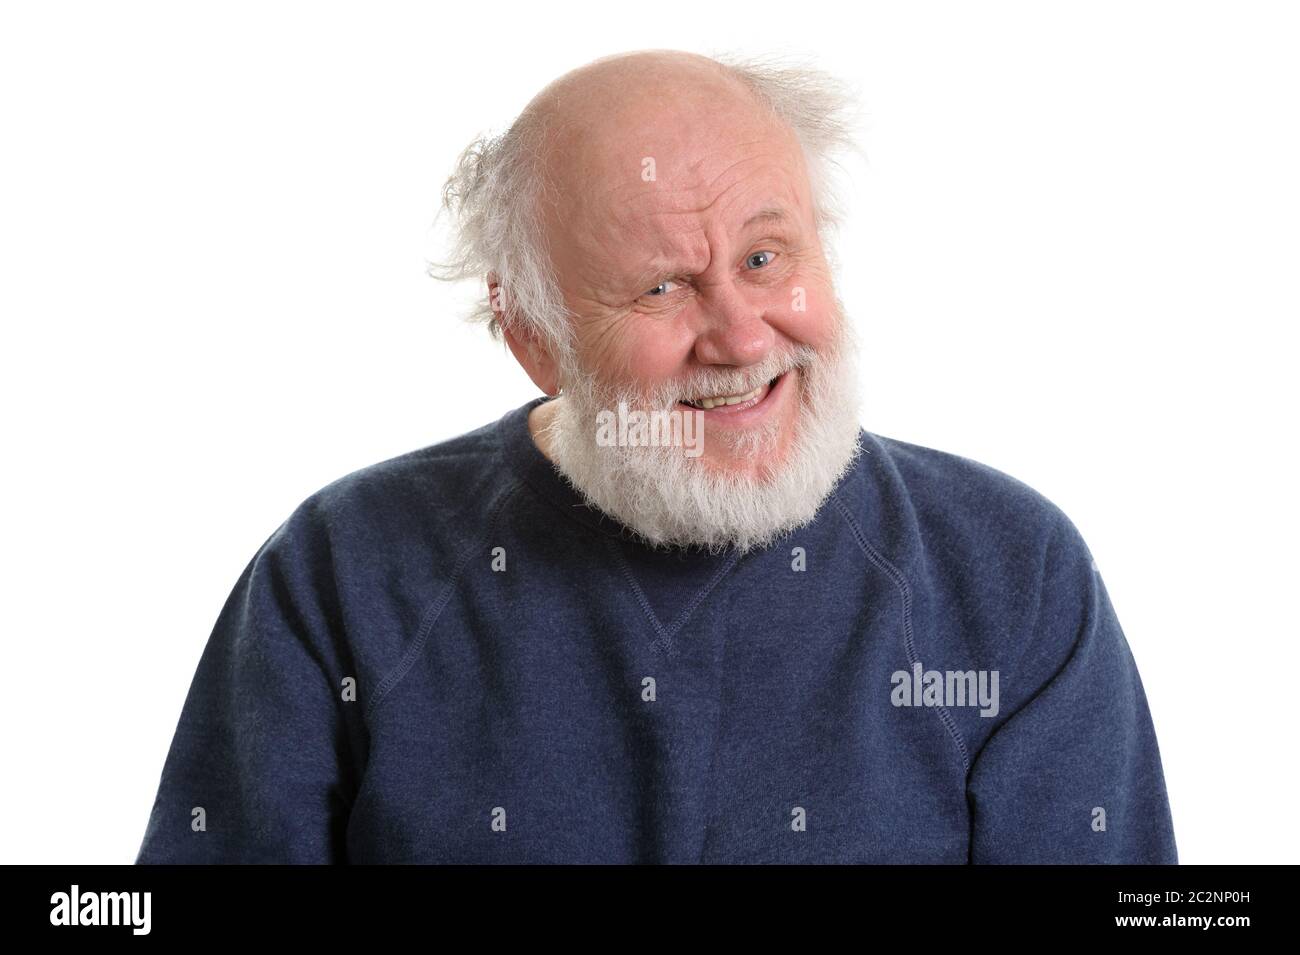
[
  {"x": 624, "y": 253},
  {"x": 654, "y": 188},
  {"x": 753, "y": 187},
  {"x": 665, "y": 157}
]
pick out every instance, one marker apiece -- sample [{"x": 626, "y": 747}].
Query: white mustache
[{"x": 710, "y": 385}]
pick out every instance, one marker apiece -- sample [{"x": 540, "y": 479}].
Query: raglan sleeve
[
  {"x": 261, "y": 767},
  {"x": 1073, "y": 774}
]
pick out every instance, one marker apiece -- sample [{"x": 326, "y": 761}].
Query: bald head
[
  {"x": 646, "y": 80},
  {"x": 664, "y": 109}
]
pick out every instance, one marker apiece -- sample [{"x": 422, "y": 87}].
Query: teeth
[{"x": 720, "y": 400}]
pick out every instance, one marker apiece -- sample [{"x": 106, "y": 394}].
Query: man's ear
[{"x": 525, "y": 344}]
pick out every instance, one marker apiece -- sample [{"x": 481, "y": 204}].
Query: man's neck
[{"x": 539, "y": 420}]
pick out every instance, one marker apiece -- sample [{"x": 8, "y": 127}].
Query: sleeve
[
  {"x": 260, "y": 769},
  {"x": 1073, "y": 775}
]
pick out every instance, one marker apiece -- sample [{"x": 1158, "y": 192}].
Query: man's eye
[
  {"x": 662, "y": 285},
  {"x": 761, "y": 261}
]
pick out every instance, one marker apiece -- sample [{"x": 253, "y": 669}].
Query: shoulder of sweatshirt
[
  {"x": 436, "y": 497},
  {"x": 1004, "y": 568},
  {"x": 368, "y": 557},
  {"x": 966, "y": 504}
]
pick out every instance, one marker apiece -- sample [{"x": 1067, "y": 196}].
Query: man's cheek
[
  {"x": 817, "y": 327},
  {"x": 653, "y": 367}
]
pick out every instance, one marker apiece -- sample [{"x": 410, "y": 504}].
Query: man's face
[{"x": 688, "y": 252}]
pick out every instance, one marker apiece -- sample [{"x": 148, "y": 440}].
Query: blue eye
[
  {"x": 756, "y": 255},
  {"x": 654, "y": 291}
]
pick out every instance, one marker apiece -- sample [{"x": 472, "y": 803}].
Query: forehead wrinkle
[
  {"x": 709, "y": 186},
  {"x": 662, "y": 248},
  {"x": 665, "y": 254},
  {"x": 773, "y": 212},
  {"x": 615, "y": 197}
]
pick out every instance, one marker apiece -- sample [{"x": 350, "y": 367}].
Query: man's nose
[{"x": 733, "y": 330}]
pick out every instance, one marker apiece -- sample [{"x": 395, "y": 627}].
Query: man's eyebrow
[{"x": 766, "y": 214}]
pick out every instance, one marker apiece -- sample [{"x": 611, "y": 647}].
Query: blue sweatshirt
[{"x": 448, "y": 657}]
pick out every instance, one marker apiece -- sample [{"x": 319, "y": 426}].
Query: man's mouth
[{"x": 732, "y": 403}]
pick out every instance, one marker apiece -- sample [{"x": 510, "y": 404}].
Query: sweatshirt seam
[
  {"x": 663, "y": 641},
  {"x": 909, "y": 641},
  {"x": 433, "y": 611},
  {"x": 670, "y": 630},
  {"x": 703, "y": 594}
]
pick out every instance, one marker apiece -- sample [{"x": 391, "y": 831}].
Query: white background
[{"x": 1072, "y": 255}]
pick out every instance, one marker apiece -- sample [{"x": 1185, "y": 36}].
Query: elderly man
[{"x": 680, "y": 607}]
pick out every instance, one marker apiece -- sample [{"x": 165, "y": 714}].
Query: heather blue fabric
[{"x": 518, "y": 695}]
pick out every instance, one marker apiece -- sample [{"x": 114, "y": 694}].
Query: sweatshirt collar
[{"x": 525, "y": 458}]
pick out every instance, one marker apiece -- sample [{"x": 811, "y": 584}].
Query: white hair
[{"x": 494, "y": 193}]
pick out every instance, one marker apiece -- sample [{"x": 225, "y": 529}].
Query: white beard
[{"x": 668, "y": 498}]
